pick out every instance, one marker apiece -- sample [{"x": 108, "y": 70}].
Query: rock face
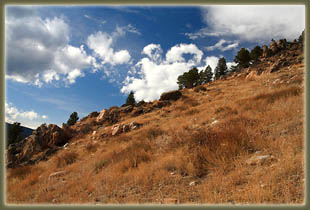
[
  {"x": 111, "y": 115},
  {"x": 273, "y": 47},
  {"x": 171, "y": 95},
  {"x": 251, "y": 75},
  {"x": 282, "y": 44},
  {"x": 41, "y": 143},
  {"x": 266, "y": 51}
]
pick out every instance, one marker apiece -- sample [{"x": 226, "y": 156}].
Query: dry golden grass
[{"x": 193, "y": 151}]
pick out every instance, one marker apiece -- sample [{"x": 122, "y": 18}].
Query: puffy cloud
[
  {"x": 253, "y": 22},
  {"x": 158, "y": 77},
  {"x": 212, "y": 61},
  {"x": 39, "y": 48},
  {"x": 219, "y": 45},
  {"x": 175, "y": 54},
  {"x": 27, "y": 118},
  {"x": 101, "y": 44},
  {"x": 153, "y": 51}
]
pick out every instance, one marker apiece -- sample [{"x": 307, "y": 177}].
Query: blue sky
[{"x": 61, "y": 59}]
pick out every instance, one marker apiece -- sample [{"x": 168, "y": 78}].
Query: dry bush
[
  {"x": 66, "y": 158},
  {"x": 192, "y": 111},
  {"x": 100, "y": 165},
  {"x": 153, "y": 133},
  {"x": 90, "y": 147}
]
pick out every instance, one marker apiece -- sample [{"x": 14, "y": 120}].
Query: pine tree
[
  {"x": 206, "y": 75},
  {"x": 131, "y": 99},
  {"x": 72, "y": 119},
  {"x": 243, "y": 58},
  {"x": 189, "y": 79},
  {"x": 14, "y": 133},
  {"x": 256, "y": 53},
  {"x": 221, "y": 68}
]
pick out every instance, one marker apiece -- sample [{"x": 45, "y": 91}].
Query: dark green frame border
[{"x": 3, "y": 3}]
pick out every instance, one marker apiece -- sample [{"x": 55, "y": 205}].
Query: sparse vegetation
[
  {"x": 73, "y": 119},
  {"x": 194, "y": 151}
]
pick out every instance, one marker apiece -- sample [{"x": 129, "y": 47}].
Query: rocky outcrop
[
  {"x": 41, "y": 143},
  {"x": 111, "y": 116},
  {"x": 273, "y": 47},
  {"x": 171, "y": 95},
  {"x": 119, "y": 128}
]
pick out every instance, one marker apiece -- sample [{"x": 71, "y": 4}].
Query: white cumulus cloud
[
  {"x": 39, "y": 48},
  {"x": 256, "y": 23},
  {"x": 27, "y": 118},
  {"x": 158, "y": 77}
]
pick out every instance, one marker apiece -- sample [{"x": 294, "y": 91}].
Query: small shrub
[
  {"x": 100, "y": 165},
  {"x": 90, "y": 147},
  {"x": 192, "y": 112},
  {"x": 152, "y": 133},
  {"x": 66, "y": 159}
]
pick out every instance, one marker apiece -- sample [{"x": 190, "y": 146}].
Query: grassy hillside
[{"x": 239, "y": 142}]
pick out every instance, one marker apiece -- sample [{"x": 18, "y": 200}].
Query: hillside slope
[{"x": 241, "y": 141}]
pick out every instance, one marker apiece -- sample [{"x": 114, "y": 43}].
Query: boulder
[
  {"x": 117, "y": 129},
  {"x": 266, "y": 51},
  {"x": 141, "y": 103},
  {"x": 103, "y": 115},
  {"x": 93, "y": 114},
  {"x": 259, "y": 159},
  {"x": 273, "y": 47},
  {"x": 126, "y": 109},
  {"x": 134, "y": 125},
  {"x": 137, "y": 111},
  {"x": 126, "y": 128},
  {"x": 171, "y": 95}
]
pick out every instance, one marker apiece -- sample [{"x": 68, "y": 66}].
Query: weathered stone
[
  {"x": 266, "y": 51},
  {"x": 273, "y": 47},
  {"x": 137, "y": 111},
  {"x": 274, "y": 67},
  {"x": 126, "y": 128},
  {"x": 134, "y": 125},
  {"x": 282, "y": 44},
  {"x": 117, "y": 129},
  {"x": 56, "y": 174},
  {"x": 160, "y": 104},
  {"x": 93, "y": 114},
  {"x": 171, "y": 95},
  {"x": 126, "y": 109},
  {"x": 141, "y": 103},
  {"x": 103, "y": 115}
]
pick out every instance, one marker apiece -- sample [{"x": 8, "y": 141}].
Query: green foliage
[
  {"x": 206, "y": 75},
  {"x": 221, "y": 68},
  {"x": 72, "y": 119},
  {"x": 189, "y": 79},
  {"x": 193, "y": 78},
  {"x": 131, "y": 99},
  {"x": 14, "y": 133},
  {"x": 243, "y": 58},
  {"x": 256, "y": 53}
]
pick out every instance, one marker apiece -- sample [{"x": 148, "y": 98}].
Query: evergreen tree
[
  {"x": 189, "y": 79},
  {"x": 131, "y": 99},
  {"x": 206, "y": 75},
  {"x": 256, "y": 53},
  {"x": 14, "y": 133},
  {"x": 301, "y": 37},
  {"x": 221, "y": 68},
  {"x": 243, "y": 58},
  {"x": 72, "y": 119}
]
